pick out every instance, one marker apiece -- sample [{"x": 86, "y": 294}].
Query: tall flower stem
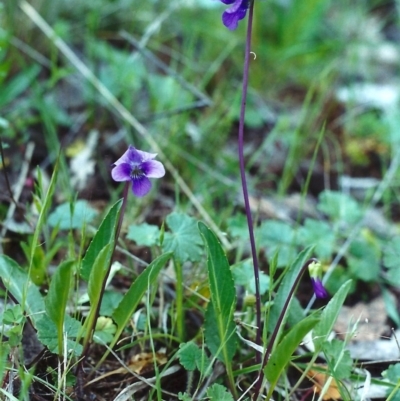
[{"x": 245, "y": 85}]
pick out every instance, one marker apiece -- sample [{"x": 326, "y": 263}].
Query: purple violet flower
[
  {"x": 319, "y": 289},
  {"x": 315, "y": 270},
  {"x": 234, "y": 13},
  {"x": 137, "y": 166}
]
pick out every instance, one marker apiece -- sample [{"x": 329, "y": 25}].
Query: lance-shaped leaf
[
  {"x": 283, "y": 352},
  {"x": 132, "y": 298},
  {"x": 57, "y": 297},
  {"x": 329, "y": 316},
  {"x": 98, "y": 275},
  {"x": 220, "y": 329},
  {"x": 104, "y": 235},
  {"x": 294, "y": 311}
]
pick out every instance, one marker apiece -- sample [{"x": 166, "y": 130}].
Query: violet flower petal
[
  {"x": 152, "y": 169},
  {"x": 238, "y": 5},
  {"x": 125, "y": 158},
  {"x": 135, "y": 156},
  {"x": 121, "y": 172},
  {"x": 141, "y": 186},
  {"x": 235, "y": 13},
  {"x": 146, "y": 155},
  {"x": 319, "y": 289}
]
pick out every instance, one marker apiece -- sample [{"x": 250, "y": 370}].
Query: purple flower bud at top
[
  {"x": 319, "y": 289},
  {"x": 137, "y": 166},
  {"x": 235, "y": 13}
]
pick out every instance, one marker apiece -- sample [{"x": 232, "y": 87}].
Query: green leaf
[
  {"x": 220, "y": 329},
  {"x": 98, "y": 273},
  {"x": 44, "y": 207},
  {"x": 338, "y": 358},
  {"x": 391, "y": 257},
  {"x": 284, "y": 290},
  {"x": 109, "y": 302},
  {"x": 104, "y": 330},
  {"x": 219, "y": 393},
  {"x": 243, "y": 274},
  {"x": 339, "y": 207},
  {"x": 220, "y": 334},
  {"x": 98, "y": 276},
  {"x": 62, "y": 218},
  {"x": 184, "y": 397},
  {"x": 393, "y": 374},
  {"x": 277, "y": 236},
  {"x": 166, "y": 93},
  {"x": 189, "y": 354},
  {"x": 192, "y": 357},
  {"x": 280, "y": 358},
  {"x": 18, "y": 283},
  {"x": 338, "y": 277},
  {"x": 321, "y": 235},
  {"x": 13, "y": 315},
  {"x": 364, "y": 259},
  {"x": 184, "y": 240},
  {"x": 5, "y": 352},
  {"x": 18, "y": 84},
  {"x": 329, "y": 315},
  {"x": 391, "y": 306},
  {"x": 47, "y": 335},
  {"x": 57, "y": 298},
  {"x": 237, "y": 227},
  {"x": 144, "y": 234},
  {"x": 104, "y": 235},
  {"x": 132, "y": 298}
]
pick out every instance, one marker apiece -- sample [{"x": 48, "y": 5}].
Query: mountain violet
[{"x": 137, "y": 166}]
